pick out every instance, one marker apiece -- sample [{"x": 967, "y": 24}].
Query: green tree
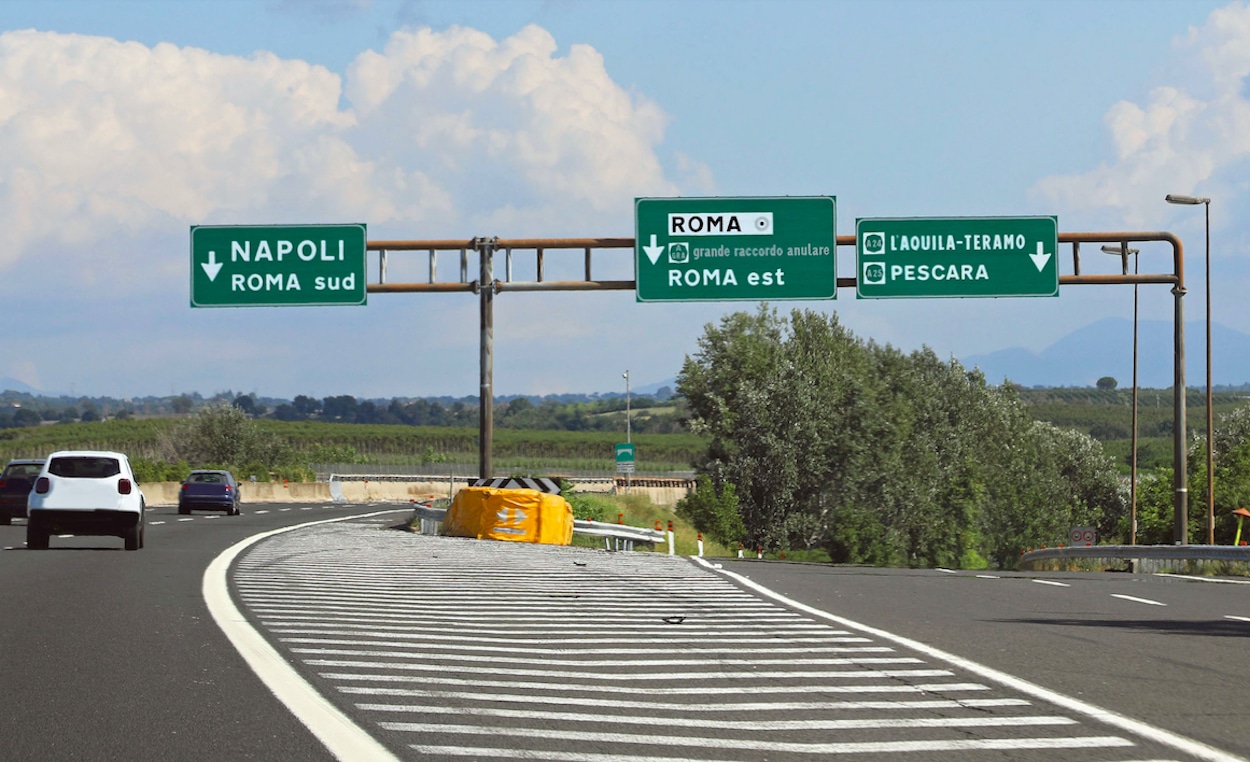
[
  {"x": 880, "y": 456},
  {"x": 1107, "y": 383},
  {"x": 222, "y": 435},
  {"x": 26, "y": 417}
]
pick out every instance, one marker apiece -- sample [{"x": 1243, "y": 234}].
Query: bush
[
  {"x": 713, "y": 512},
  {"x": 588, "y": 507}
]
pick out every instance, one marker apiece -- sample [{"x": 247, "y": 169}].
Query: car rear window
[
  {"x": 22, "y": 469},
  {"x": 84, "y": 467},
  {"x": 207, "y": 478}
]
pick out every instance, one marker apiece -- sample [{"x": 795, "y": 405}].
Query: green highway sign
[
  {"x": 735, "y": 249},
  {"x": 624, "y": 458},
  {"x": 909, "y": 258},
  {"x": 277, "y": 265}
]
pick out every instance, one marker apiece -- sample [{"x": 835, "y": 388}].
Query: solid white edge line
[
  {"x": 1203, "y": 579},
  {"x": 1137, "y": 727},
  {"x": 343, "y": 738}
]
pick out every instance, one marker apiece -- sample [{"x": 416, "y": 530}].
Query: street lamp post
[
  {"x": 628, "y": 440},
  {"x": 1172, "y": 198},
  {"x": 1123, "y": 251},
  {"x": 625, "y": 375}
]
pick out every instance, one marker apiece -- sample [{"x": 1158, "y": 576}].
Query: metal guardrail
[{"x": 1147, "y": 558}]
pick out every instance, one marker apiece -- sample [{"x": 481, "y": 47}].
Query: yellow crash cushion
[{"x": 517, "y": 515}]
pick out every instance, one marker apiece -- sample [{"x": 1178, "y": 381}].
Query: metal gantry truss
[{"x": 486, "y": 286}]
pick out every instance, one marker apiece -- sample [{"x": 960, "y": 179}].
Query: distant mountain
[
  {"x": 651, "y": 389},
  {"x": 1105, "y": 348},
  {"x": 13, "y": 385}
]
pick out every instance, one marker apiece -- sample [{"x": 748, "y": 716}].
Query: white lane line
[
  {"x": 155, "y": 523},
  {"x": 343, "y": 738},
  {"x": 417, "y": 652},
  {"x": 260, "y": 512},
  {"x": 186, "y": 519},
  {"x": 439, "y": 638},
  {"x": 63, "y": 536},
  {"x": 1158, "y": 735},
  {"x": 487, "y": 669},
  {"x": 1135, "y": 599},
  {"x": 988, "y": 576},
  {"x": 598, "y": 702},
  {"x": 562, "y": 648},
  {"x": 887, "y": 747},
  {"x": 1204, "y": 579},
  {"x": 664, "y": 741},
  {"x": 212, "y": 517},
  {"x": 691, "y": 722},
  {"x": 1237, "y": 618},
  {"x": 283, "y": 510},
  {"x": 1051, "y": 582},
  {"x": 690, "y": 690},
  {"x": 946, "y": 571}
]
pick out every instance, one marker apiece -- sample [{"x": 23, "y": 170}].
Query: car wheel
[
  {"x": 36, "y": 536},
  {"x": 5, "y": 519},
  {"x": 134, "y": 537},
  {"x": 183, "y": 511}
]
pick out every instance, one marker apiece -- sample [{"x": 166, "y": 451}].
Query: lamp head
[{"x": 1173, "y": 198}]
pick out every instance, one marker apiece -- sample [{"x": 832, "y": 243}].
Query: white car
[{"x": 85, "y": 492}]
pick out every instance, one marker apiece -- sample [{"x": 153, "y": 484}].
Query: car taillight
[
  {"x": 3, "y": 482},
  {"x": 123, "y": 486},
  {"x": 42, "y": 484},
  {"x": 185, "y": 486},
  {"x": 227, "y": 487}
]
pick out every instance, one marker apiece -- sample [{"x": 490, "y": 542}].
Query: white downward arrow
[
  {"x": 653, "y": 251},
  {"x": 212, "y": 266},
  {"x": 1040, "y": 258}
]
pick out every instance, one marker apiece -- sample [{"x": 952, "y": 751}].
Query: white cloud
[
  {"x": 1177, "y": 142},
  {"x": 543, "y": 139},
  {"x": 106, "y": 145}
]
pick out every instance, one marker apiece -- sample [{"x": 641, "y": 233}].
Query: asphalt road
[
  {"x": 111, "y": 655},
  {"x": 1172, "y": 651},
  {"x": 443, "y": 648}
]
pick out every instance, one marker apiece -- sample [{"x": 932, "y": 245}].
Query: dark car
[
  {"x": 15, "y": 484},
  {"x": 209, "y": 490}
]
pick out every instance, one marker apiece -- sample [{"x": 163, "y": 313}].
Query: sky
[{"x": 125, "y": 122}]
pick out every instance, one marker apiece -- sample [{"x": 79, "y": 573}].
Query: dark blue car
[{"x": 209, "y": 490}]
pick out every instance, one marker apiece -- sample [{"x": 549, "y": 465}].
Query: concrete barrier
[
  {"x": 1147, "y": 559},
  {"x": 371, "y": 491}
]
